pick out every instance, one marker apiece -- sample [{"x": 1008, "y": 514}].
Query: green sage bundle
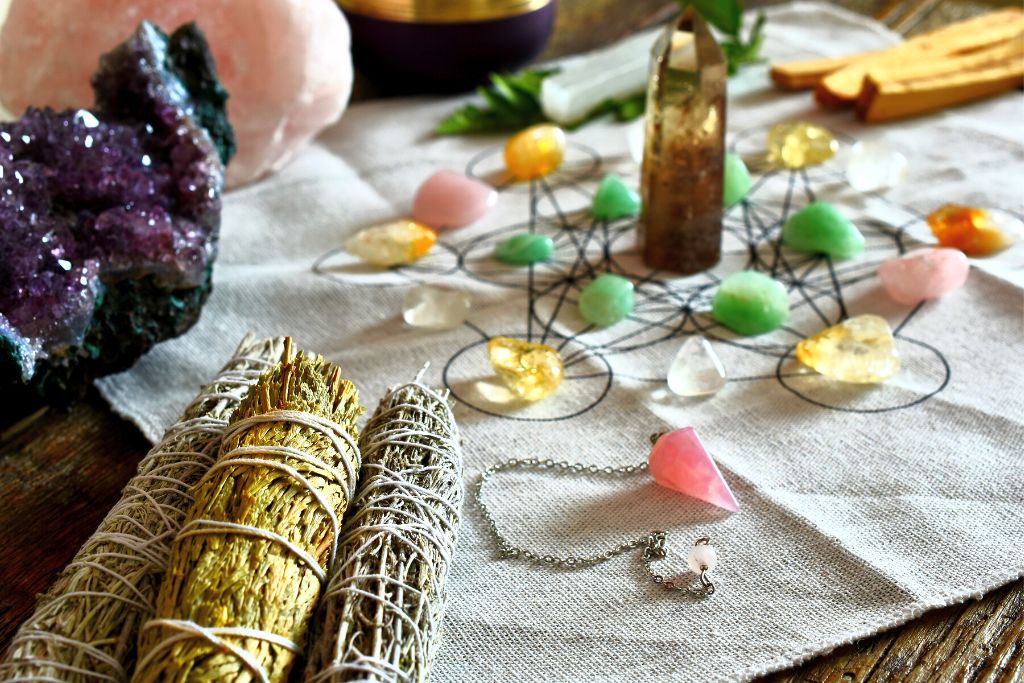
[
  {"x": 247, "y": 567},
  {"x": 85, "y": 627},
  {"x": 382, "y": 611}
]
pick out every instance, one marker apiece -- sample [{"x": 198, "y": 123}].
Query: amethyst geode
[{"x": 109, "y": 217}]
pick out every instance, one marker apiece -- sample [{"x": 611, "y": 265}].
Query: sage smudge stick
[
  {"x": 85, "y": 627},
  {"x": 246, "y": 570},
  {"x": 382, "y": 611}
]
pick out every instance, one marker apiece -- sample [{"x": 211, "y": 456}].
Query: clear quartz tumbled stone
[
  {"x": 696, "y": 369},
  {"x": 436, "y": 308},
  {"x": 873, "y": 165}
]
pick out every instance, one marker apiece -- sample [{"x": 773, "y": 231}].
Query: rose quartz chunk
[
  {"x": 451, "y": 200},
  {"x": 679, "y": 462},
  {"x": 924, "y": 274},
  {"x": 285, "y": 63}
]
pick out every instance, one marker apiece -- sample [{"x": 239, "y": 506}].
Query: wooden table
[{"x": 61, "y": 471}]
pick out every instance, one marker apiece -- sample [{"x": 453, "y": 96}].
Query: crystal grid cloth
[{"x": 851, "y": 522}]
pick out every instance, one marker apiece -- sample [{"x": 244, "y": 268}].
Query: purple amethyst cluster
[{"x": 109, "y": 217}]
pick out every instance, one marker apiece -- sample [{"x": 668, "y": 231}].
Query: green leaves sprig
[
  {"x": 727, "y": 17},
  {"x": 513, "y": 103}
]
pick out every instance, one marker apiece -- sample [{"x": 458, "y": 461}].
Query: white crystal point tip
[
  {"x": 702, "y": 558},
  {"x": 696, "y": 369}
]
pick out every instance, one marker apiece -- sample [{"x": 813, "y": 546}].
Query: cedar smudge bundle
[
  {"x": 85, "y": 627},
  {"x": 382, "y": 611},
  {"x": 246, "y": 569}
]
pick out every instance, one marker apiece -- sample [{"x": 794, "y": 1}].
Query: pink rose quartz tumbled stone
[
  {"x": 285, "y": 63},
  {"x": 926, "y": 274},
  {"x": 451, "y": 200},
  {"x": 680, "y": 462}
]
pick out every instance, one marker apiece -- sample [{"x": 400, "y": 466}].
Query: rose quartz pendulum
[{"x": 680, "y": 462}]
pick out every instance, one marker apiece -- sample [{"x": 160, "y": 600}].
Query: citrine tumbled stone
[
  {"x": 969, "y": 229},
  {"x": 530, "y": 371},
  {"x": 392, "y": 244},
  {"x": 535, "y": 152},
  {"x": 798, "y": 144},
  {"x": 860, "y": 350}
]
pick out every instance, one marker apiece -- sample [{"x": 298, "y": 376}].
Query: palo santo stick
[
  {"x": 382, "y": 612},
  {"x": 888, "y": 101},
  {"x": 248, "y": 565},
  {"x": 804, "y": 75},
  {"x": 1000, "y": 53},
  {"x": 85, "y": 627},
  {"x": 842, "y": 87}
]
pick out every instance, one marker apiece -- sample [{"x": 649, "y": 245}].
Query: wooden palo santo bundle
[
  {"x": 246, "y": 570},
  {"x": 962, "y": 62},
  {"x": 85, "y": 627},
  {"x": 382, "y": 611}
]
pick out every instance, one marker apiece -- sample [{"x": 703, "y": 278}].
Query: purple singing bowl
[{"x": 421, "y": 46}]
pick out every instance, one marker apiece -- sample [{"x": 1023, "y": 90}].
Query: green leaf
[
  {"x": 631, "y": 108},
  {"x": 512, "y": 102},
  {"x": 740, "y": 53},
  {"x": 722, "y": 14},
  {"x": 625, "y": 109}
]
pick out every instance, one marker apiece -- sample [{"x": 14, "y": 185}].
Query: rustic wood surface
[{"x": 60, "y": 471}]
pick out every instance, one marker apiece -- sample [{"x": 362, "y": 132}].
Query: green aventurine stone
[
  {"x": 525, "y": 249},
  {"x": 820, "y": 228},
  {"x": 750, "y": 303},
  {"x": 737, "y": 180},
  {"x": 614, "y": 199},
  {"x": 607, "y": 300}
]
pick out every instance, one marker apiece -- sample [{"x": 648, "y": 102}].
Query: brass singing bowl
[{"x": 442, "y": 11}]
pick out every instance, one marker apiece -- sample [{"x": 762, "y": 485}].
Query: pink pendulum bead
[{"x": 702, "y": 558}]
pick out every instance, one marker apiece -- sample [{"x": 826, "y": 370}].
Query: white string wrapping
[
  {"x": 381, "y": 614},
  {"x": 85, "y": 627}
]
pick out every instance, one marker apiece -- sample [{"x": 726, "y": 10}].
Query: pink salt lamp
[
  {"x": 285, "y": 63},
  {"x": 680, "y": 462}
]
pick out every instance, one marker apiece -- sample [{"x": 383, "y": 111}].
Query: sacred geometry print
[{"x": 638, "y": 350}]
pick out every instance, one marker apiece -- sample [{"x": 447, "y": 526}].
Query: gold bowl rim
[{"x": 441, "y": 11}]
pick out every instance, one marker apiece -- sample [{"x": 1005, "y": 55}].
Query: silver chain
[{"x": 653, "y": 543}]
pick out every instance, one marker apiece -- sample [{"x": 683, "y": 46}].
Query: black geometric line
[{"x": 666, "y": 308}]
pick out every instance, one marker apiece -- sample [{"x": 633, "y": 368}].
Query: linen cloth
[{"x": 862, "y": 506}]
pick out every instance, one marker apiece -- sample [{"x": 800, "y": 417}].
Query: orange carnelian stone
[
  {"x": 535, "y": 152},
  {"x": 968, "y": 229}
]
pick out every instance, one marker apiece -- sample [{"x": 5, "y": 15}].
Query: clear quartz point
[{"x": 696, "y": 369}]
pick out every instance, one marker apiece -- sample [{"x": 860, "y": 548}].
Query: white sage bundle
[
  {"x": 380, "y": 619},
  {"x": 86, "y": 626}
]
